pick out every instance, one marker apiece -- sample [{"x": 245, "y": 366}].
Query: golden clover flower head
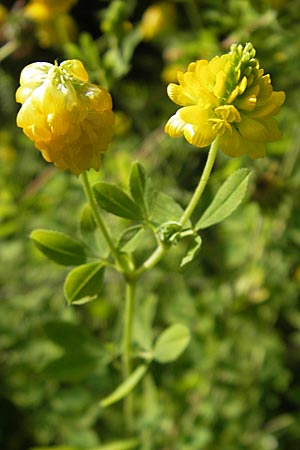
[
  {"x": 228, "y": 97},
  {"x": 69, "y": 119}
]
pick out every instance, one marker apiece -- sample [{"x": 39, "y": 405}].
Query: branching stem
[{"x": 159, "y": 252}]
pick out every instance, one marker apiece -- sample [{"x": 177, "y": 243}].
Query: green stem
[
  {"x": 202, "y": 183},
  {"x": 151, "y": 261},
  {"x": 92, "y": 202},
  {"x": 126, "y": 349}
]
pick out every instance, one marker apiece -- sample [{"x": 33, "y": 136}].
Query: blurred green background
[{"x": 237, "y": 386}]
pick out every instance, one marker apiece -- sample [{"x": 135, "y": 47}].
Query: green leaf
[
  {"x": 59, "y": 247},
  {"x": 126, "y": 387},
  {"x": 87, "y": 221},
  {"x": 193, "y": 250},
  {"x": 143, "y": 322},
  {"x": 84, "y": 281},
  {"x": 126, "y": 444},
  {"x": 165, "y": 209},
  {"x": 91, "y": 235},
  {"x": 140, "y": 187},
  {"x": 71, "y": 367},
  {"x": 171, "y": 343},
  {"x": 71, "y": 337},
  {"x": 131, "y": 238},
  {"x": 227, "y": 199},
  {"x": 115, "y": 201}
]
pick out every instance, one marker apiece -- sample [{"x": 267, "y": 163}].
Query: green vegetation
[{"x": 236, "y": 384}]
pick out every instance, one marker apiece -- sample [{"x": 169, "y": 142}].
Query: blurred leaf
[
  {"x": 59, "y": 247},
  {"x": 114, "y": 200},
  {"x": 126, "y": 444},
  {"x": 193, "y": 250},
  {"x": 84, "y": 281},
  {"x": 140, "y": 187},
  {"x": 71, "y": 367},
  {"x": 87, "y": 221},
  {"x": 143, "y": 322},
  {"x": 227, "y": 199},
  {"x": 92, "y": 236},
  {"x": 56, "y": 447},
  {"x": 71, "y": 337},
  {"x": 126, "y": 387},
  {"x": 171, "y": 343}
]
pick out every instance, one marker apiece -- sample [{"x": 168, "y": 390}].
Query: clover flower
[
  {"x": 227, "y": 97},
  {"x": 69, "y": 120}
]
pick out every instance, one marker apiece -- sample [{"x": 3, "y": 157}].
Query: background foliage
[{"x": 237, "y": 384}]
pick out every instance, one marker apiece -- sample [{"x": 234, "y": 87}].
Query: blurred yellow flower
[
  {"x": 69, "y": 119},
  {"x": 229, "y": 97},
  {"x": 3, "y": 14},
  {"x": 157, "y": 19},
  {"x": 41, "y": 10},
  {"x": 54, "y": 26}
]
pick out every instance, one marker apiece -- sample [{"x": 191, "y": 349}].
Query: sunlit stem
[
  {"x": 202, "y": 183},
  {"x": 101, "y": 225},
  {"x": 126, "y": 349}
]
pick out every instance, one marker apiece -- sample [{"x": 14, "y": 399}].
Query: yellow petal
[
  {"x": 231, "y": 144},
  {"x": 234, "y": 145},
  {"x": 270, "y": 106},
  {"x": 182, "y": 96},
  {"x": 175, "y": 125},
  {"x": 199, "y": 135},
  {"x": 195, "y": 114},
  {"x": 259, "y": 130},
  {"x": 35, "y": 72},
  {"x": 220, "y": 83},
  {"x": 75, "y": 68},
  {"x": 25, "y": 91}
]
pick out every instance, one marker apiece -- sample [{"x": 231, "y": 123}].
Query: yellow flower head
[
  {"x": 69, "y": 120},
  {"x": 228, "y": 97}
]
